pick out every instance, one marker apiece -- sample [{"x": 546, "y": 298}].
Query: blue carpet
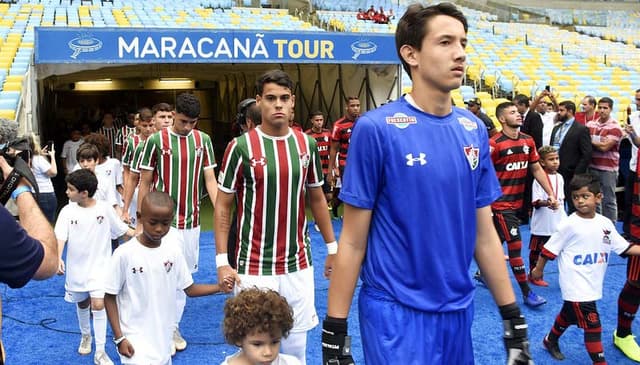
[{"x": 39, "y": 327}]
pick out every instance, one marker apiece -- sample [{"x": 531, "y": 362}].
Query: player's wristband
[
  {"x": 332, "y": 248},
  {"x": 118, "y": 340},
  {"x": 19, "y": 190},
  {"x": 222, "y": 260}
]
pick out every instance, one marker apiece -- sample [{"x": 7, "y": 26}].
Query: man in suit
[{"x": 573, "y": 142}]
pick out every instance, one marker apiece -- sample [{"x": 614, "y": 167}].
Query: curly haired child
[{"x": 256, "y": 320}]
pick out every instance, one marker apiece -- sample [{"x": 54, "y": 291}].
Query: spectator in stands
[
  {"x": 587, "y": 111},
  {"x": 380, "y": 17},
  {"x": 362, "y": 15},
  {"x": 371, "y": 13},
  {"x": 540, "y": 105},
  {"x": 474, "y": 105},
  {"x": 69, "y": 150},
  {"x": 631, "y": 129},
  {"x": 606, "y": 135},
  {"x": 573, "y": 142}
]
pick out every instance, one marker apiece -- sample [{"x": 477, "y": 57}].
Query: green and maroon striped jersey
[
  {"x": 131, "y": 144},
  {"x": 179, "y": 163},
  {"x": 270, "y": 176}
]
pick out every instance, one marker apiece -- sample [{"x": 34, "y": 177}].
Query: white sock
[
  {"x": 84, "y": 315},
  {"x": 181, "y": 302},
  {"x": 295, "y": 345},
  {"x": 100, "y": 328}
]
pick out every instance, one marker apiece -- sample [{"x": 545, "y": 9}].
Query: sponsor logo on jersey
[
  {"x": 257, "y": 161},
  {"x": 305, "y": 159},
  {"x": 323, "y": 148},
  {"x": 473, "y": 156},
  {"x": 605, "y": 238},
  {"x": 420, "y": 159},
  {"x": 168, "y": 265},
  {"x": 401, "y": 120},
  {"x": 591, "y": 258},
  {"x": 518, "y": 165},
  {"x": 467, "y": 124},
  {"x": 100, "y": 219}
]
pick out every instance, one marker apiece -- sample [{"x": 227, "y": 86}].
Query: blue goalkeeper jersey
[{"x": 423, "y": 177}]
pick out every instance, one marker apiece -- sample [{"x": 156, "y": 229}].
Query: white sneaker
[
  {"x": 178, "y": 341},
  {"x": 85, "y": 345},
  {"x": 101, "y": 358}
]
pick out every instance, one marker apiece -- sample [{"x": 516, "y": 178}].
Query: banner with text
[{"x": 156, "y": 45}]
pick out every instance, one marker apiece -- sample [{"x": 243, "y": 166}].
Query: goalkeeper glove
[
  {"x": 515, "y": 336},
  {"x": 336, "y": 344}
]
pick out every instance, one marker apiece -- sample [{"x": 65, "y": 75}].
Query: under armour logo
[
  {"x": 258, "y": 161},
  {"x": 136, "y": 270},
  {"x": 74, "y": 221},
  {"x": 411, "y": 161},
  {"x": 166, "y": 151}
]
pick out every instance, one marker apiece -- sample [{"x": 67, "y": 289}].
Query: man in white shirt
[{"x": 69, "y": 150}]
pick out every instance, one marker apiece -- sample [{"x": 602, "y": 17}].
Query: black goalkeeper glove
[
  {"x": 336, "y": 345},
  {"x": 515, "y": 336}
]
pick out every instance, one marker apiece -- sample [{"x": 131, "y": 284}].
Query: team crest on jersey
[
  {"x": 513, "y": 231},
  {"x": 473, "y": 156},
  {"x": 199, "y": 151},
  {"x": 305, "y": 159},
  {"x": 325, "y": 138},
  {"x": 467, "y": 124},
  {"x": 168, "y": 265},
  {"x": 525, "y": 149},
  {"x": 401, "y": 120},
  {"x": 605, "y": 236},
  {"x": 254, "y": 162},
  {"x": 108, "y": 172},
  {"x": 100, "y": 219}
]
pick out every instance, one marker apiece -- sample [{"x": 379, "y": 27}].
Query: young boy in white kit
[{"x": 87, "y": 228}]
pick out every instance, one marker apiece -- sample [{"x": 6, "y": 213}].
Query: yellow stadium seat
[
  {"x": 12, "y": 86},
  {"x": 7, "y": 114}
]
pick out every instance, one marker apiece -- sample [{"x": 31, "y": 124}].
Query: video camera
[{"x": 17, "y": 152}]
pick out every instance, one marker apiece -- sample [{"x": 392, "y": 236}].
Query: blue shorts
[{"x": 396, "y": 334}]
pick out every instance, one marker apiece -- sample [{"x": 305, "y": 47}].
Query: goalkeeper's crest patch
[{"x": 473, "y": 156}]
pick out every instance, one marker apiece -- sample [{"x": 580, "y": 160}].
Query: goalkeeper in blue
[{"x": 417, "y": 211}]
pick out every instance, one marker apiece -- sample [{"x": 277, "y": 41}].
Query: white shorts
[
  {"x": 189, "y": 242},
  {"x": 79, "y": 296},
  {"x": 297, "y": 287}
]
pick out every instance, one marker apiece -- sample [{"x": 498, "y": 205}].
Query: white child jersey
[
  {"x": 282, "y": 359},
  {"x": 88, "y": 232},
  {"x": 106, "y": 191},
  {"x": 39, "y": 166},
  {"x": 145, "y": 281},
  {"x": 544, "y": 221},
  {"x": 583, "y": 247},
  {"x": 111, "y": 169}
]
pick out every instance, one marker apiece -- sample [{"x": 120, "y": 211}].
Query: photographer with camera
[{"x": 29, "y": 248}]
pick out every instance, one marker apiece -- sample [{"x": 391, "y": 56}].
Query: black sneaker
[{"x": 553, "y": 348}]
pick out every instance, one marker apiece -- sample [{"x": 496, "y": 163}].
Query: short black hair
[
  {"x": 521, "y": 99},
  {"x": 277, "y": 77},
  {"x": 161, "y": 107},
  {"x": 83, "y": 180},
  {"x": 158, "y": 198},
  {"x": 569, "y": 105},
  {"x": 607, "y": 100},
  {"x": 315, "y": 113},
  {"x": 579, "y": 181},
  {"x": 502, "y": 106},
  {"x": 411, "y": 28},
  {"x": 188, "y": 104}
]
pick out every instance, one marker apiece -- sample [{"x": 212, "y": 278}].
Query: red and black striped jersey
[
  {"x": 342, "y": 134},
  {"x": 323, "y": 141},
  {"x": 511, "y": 159}
]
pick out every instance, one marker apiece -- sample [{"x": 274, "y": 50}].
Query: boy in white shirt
[
  {"x": 582, "y": 243},
  {"x": 141, "y": 290},
  {"x": 544, "y": 220},
  {"x": 88, "y": 155},
  {"x": 87, "y": 228}
]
